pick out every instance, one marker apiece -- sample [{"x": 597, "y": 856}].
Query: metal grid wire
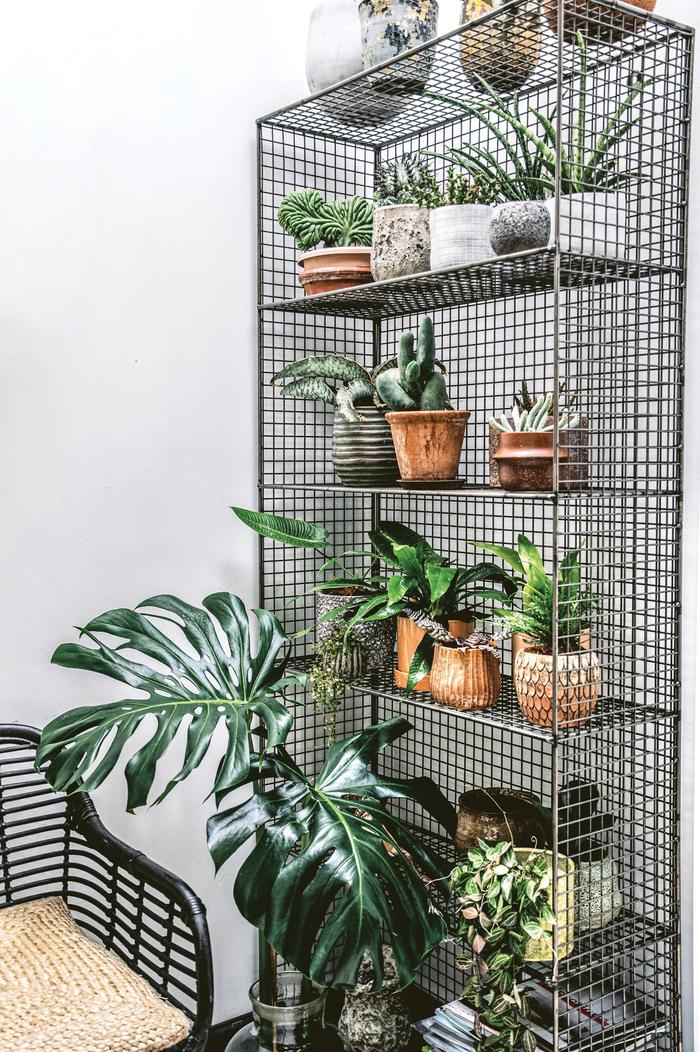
[{"x": 602, "y": 311}]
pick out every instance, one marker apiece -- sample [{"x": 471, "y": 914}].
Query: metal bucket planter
[
  {"x": 364, "y": 454},
  {"x": 459, "y": 234},
  {"x": 375, "y": 638},
  {"x": 506, "y": 49},
  {"x": 400, "y": 241},
  {"x": 390, "y": 27},
  {"x": 496, "y": 815}
]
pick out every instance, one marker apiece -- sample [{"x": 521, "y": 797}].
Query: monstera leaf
[
  {"x": 203, "y": 685},
  {"x": 334, "y": 872}
]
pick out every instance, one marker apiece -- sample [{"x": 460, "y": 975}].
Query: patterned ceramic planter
[
  {"x": 409, "y": 636},
  {"x": 459, "y": 234},
  {"x": 577, "y": 693},
  {"x": 364, "y": 454},
  {"x": 465, "y": 679},
  {"x": 597, "y": 894},
  {"x": 507, "y": 48},
  {"x": 400, "y": 241},
  {"x": 520, "y": 226},
  {"x": 376, "y": 638},
  {"x": 375, "y": 1022},
  {"x": 390, "y": 27},
  {"x": 598, "y": 23},
  {"x": 334, "y": 45}
]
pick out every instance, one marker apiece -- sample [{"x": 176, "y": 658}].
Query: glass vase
[{"x": 294, "y": 1024}]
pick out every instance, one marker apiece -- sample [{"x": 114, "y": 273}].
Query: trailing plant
[
  {"x": 414, "y": 383},
  {"x": 334, "y": 872},
  {"x": 338, "y": 663},
  {"x": 532, "y": 414},
  {"x": 311, "y": 221},
  {"x": 577, "y": 604},
  {"x": 531, "y": 145},
  {"x": 504, "y": 902}
]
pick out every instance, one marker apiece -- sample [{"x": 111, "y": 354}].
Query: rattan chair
[{"x": 51, "y": 845}]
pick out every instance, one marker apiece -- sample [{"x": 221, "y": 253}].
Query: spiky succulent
[
  {"x": 414, "y": 382},
  {"x": 400, "y": 182},
  {"x": 310, "y": 220},
  {"x": 535, "y": 414}
]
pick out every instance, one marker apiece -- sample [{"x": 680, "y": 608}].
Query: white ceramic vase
[
  {"x": 334, "y": 45},
  {"x": 459, "y": 234},
  {"x": 593, "y": 224}
]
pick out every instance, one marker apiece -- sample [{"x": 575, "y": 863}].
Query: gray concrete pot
[
  {"x": 520, "y": 226},
  {"x": 375, "y": 638},
  {"x": 400, "y": 241},
  {"x": 364, "y": 454},
  {"x": 334, "y": 45},
  {"x": 375, "y": 1022},
  {"x": 459, "y": 234}
]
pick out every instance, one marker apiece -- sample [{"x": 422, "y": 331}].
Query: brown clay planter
[
  {"x": 598, "y": 24},
  {"x": 573, "y": 470},
  {"x": 498, "y": 815},
  {"x": 578, "y": 687},
  {"x": 506, "y": 50},
  {"x": 428, "y": 444},
  {"x": 526, "y": 459},
  {"x": 465, "y": 679},
  {"x": 408, "y": 638},
  {"x": 330, "y": 269}
]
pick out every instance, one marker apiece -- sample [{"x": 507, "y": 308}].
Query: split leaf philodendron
[{"x": 414, "y": 383}]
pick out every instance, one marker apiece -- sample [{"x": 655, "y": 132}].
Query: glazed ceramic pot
[
  {"x": 525, "y": 459},
  {"x": 520, "y": 226},
  {"x": 390, "y": 27},
  {"x": 375, "y": 638},
  {"x": 400, "y": 241},
  {"x": 330, "y": 269},
  {"x": 375, "y": 1022},
  {"x": 506, "y": 49},
  {"x": 577, "y": 692},
  {"x": 364, "y": 454},
  {"x": 334, "y": 45},
  {"x": 428, "y": 444},
  {"x": 409, "y": 637},
  {"x": 573, "y": 470},
  {"x": 541, "y": 949},
  {"x": 593, "y": 224},
  {"x": 519, "y": 642},
  {"x": 459, "y": 234},
  {"x": 597, "y": 894},
  {"x": 465, "y": 679},
  {"x": 496, "y": 815},
  {"x": 294, "y": 1024},
  {"x": 598, "y": 24}
]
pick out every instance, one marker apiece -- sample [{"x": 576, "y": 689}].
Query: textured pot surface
[
  {"x": 597, "y": 894},
  {"x": 409, "y": 636},
  {"x": 390, "y": 27},
  {"x": 597, "y": 23},
  {"x": 376, "y": 1022},
  {"x": 520, "y": 642},
  {"x": 364, "y": 454},
  {"x": 459, "y": 234},
  {"x": 330, "y": 269},
  {"x": 520, "y": 226},
  {"x": 526, "y": 459},
  {"x": 541, "y": 949},
  {"x": 400, "y": 241},
  {"x": 595, "y": 223},
  {"x": 578, "y": 687},
  {"x": 334, "y": 44},
  {"x": 428, "y": 444},
  {"x": 376, "y": 638},
  {"x": 573, "y": 471},
  {"x": 507, "y": 49},
  {"x": 465, "y": 679},
  {"x": 496, "y": 815}
]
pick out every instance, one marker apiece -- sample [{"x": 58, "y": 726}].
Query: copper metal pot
[{"x": 497, "y": 815}]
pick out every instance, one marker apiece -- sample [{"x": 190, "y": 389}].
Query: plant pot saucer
[{"x": 432, "y": 483}]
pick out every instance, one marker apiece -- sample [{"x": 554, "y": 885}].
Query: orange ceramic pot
[
  {"x": 465, "y": 679},
  {"x": 577, "y": 693},
  {"x": 429, "y": 443},
  {"x": 330, "y": 269},
  {"x": 525, "y": 459},
  {"x": 408, "y": 638},
  {"x": 506, "y": 49},
  {"x": 597, "y": 23}
]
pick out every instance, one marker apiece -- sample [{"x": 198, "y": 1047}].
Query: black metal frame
[
  {"x": 51, "y": 844},
  {"x": 611, "y": 325}
]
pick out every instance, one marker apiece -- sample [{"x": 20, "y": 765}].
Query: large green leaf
[
  {"x": 337, "y": 862},
  {"x": 328, "y": 366},
  {"x": 202, "y": 686},
  {"x": 295, "y": 532}
]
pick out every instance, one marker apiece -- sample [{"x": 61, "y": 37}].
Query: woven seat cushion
[{"x": 61, "y": 992}]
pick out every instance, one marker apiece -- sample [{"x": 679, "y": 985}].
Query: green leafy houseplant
[
  {"x": 311, "y": 221},
  {"x": 504, "y": 900},
  {"x": 338, "y": 663}
]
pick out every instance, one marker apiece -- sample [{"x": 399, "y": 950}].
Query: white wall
[{"x": 127, "y": 348}]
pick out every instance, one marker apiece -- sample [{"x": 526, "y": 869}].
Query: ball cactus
[{"x": 414, "y": 383}]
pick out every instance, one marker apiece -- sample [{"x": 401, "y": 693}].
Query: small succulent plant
[
  {"x": 311, "y": 221},
  {"x": 414, "y": 382},
  {"x": 400, "y": 182},
  {"x": 533, "y": 414}
]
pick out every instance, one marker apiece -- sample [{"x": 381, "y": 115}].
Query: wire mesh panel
[{"x": 595, "y": 318}]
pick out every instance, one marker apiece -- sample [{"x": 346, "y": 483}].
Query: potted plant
[
  {"x": 505, "y": 439},
  {"x": 460, "y": 220},
  {"x": 344, "y": 228},
  {"x": 524, "y": 442},
  {"x": 390, "y": 27},
  {"x": 376, "y": 1021},
  {"x": 578, "y": 668},
  {"x": 334, "y": 48},
  {"x": 428, "y": 434},
  {"x": 497, "y": 814},
  {"x": 598, "y": 23},
  {"x": 505, "y": 900},
  {"x": 505, "y": 50},
  {"x": 583, "y": 825},
  {"x": 363, "y": 448},
  {"x": 401, "y": 237}
]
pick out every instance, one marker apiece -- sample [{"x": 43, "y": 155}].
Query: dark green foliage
[{"x": 311, "y": 220}]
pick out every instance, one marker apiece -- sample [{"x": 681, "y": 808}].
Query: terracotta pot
[
  {"x": 408, "y": 638},
  {"x": 375, "y": 638},
  {"x": 573, "y": 470},
  {"x": 465, "y": 679},
  {"x": 541, "y": 949},
  {"x": 520, "y": 642},
  {"x": 526, "y": 459},
  {"x": 578, "y": 687},
  {"x": 496, "y": 815},
  {"x": 598, "y": 24},
  {"x": 428, "y": 444},
  {"x": 330, "y": 269},
  {"x": 364, "y": 454},
  {"x": 506, "y": 49}
]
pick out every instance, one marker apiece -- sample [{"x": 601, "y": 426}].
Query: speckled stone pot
[
  {"x": 390, "y": 27},
  {"x": 597, "y": 894},
  {"x": 375, "y": 1022},
  {"x": 506, "y": 49},
  {"x": 519, "y": 226},
  {"x": 376, "y": 638},
  {"x": 364, "y": 453},
  {"x": 400, "y": 241}
]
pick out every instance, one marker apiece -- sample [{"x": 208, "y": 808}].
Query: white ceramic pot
[
  {"x": 400, "y": 241},
  {"x": 593, "y": 224},
  {"x": 334, "y": 43},
  {"x": 459, "y": 234}
]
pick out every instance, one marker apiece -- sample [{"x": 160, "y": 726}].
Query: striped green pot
[{"x": 363, "y": 454}]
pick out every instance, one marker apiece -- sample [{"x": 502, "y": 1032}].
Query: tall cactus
[{"x": 414, "y": 384}]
